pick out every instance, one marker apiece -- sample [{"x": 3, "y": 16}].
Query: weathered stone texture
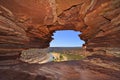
[
  {"x": 25, "y": 24},
  {"x": 31, "y": 23}
]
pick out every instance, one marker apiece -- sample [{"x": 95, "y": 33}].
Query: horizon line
[{"x": 65, "y": 46}]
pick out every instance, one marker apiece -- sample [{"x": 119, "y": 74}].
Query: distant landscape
[
  {"x": 68, "y": 50},
  {"x": 66, "y": 53},
  {"x": 56, "y": 54}
]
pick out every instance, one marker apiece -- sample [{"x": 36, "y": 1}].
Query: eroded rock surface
[
  {"x": 72, "y": 70},
  {"x": 30, "y": 24}
]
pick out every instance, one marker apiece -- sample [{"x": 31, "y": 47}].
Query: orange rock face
[{"x": 25, "y": 24}]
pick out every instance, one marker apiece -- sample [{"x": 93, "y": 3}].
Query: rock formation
[{"x": 31, "y": 23}]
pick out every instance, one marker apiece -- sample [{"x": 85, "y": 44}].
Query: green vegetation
[
  {"x": 58, "y": 57},
  {"x": 73, "y": 56}
]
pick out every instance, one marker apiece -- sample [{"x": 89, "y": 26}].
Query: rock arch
[{"x": 26, "y": 24}]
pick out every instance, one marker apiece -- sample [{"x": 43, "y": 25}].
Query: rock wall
[{"x": 25, "y": 24}]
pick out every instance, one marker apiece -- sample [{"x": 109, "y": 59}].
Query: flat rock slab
[{"x": 72, "y": 70}]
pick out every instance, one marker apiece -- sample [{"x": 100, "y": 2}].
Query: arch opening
[
  {"x": 66, "y": 45},
  {"x": 66, "y": 38}
]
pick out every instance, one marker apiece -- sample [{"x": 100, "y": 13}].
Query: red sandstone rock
[
  {"x": 71, "y": 70},
  {"x": 30, "y": 24}
]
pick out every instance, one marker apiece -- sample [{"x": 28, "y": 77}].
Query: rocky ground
[
  {"x": 35, "y": 56},
  {"x": 30, "y": 24},
  {"x": 94, "y": 67}
]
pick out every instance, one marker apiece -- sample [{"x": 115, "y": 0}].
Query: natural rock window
[
  {"x": 66, "y": 46},
  {"x": 66, "y": 38},
  {"x": 26, "y": 24}
]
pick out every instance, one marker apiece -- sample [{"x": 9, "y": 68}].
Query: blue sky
[{"x": 66, "y": 38}]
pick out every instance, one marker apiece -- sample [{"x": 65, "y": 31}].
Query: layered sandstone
[
  {"x": 31, "y": 24},
  {"x": 71, "y": 70}
]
